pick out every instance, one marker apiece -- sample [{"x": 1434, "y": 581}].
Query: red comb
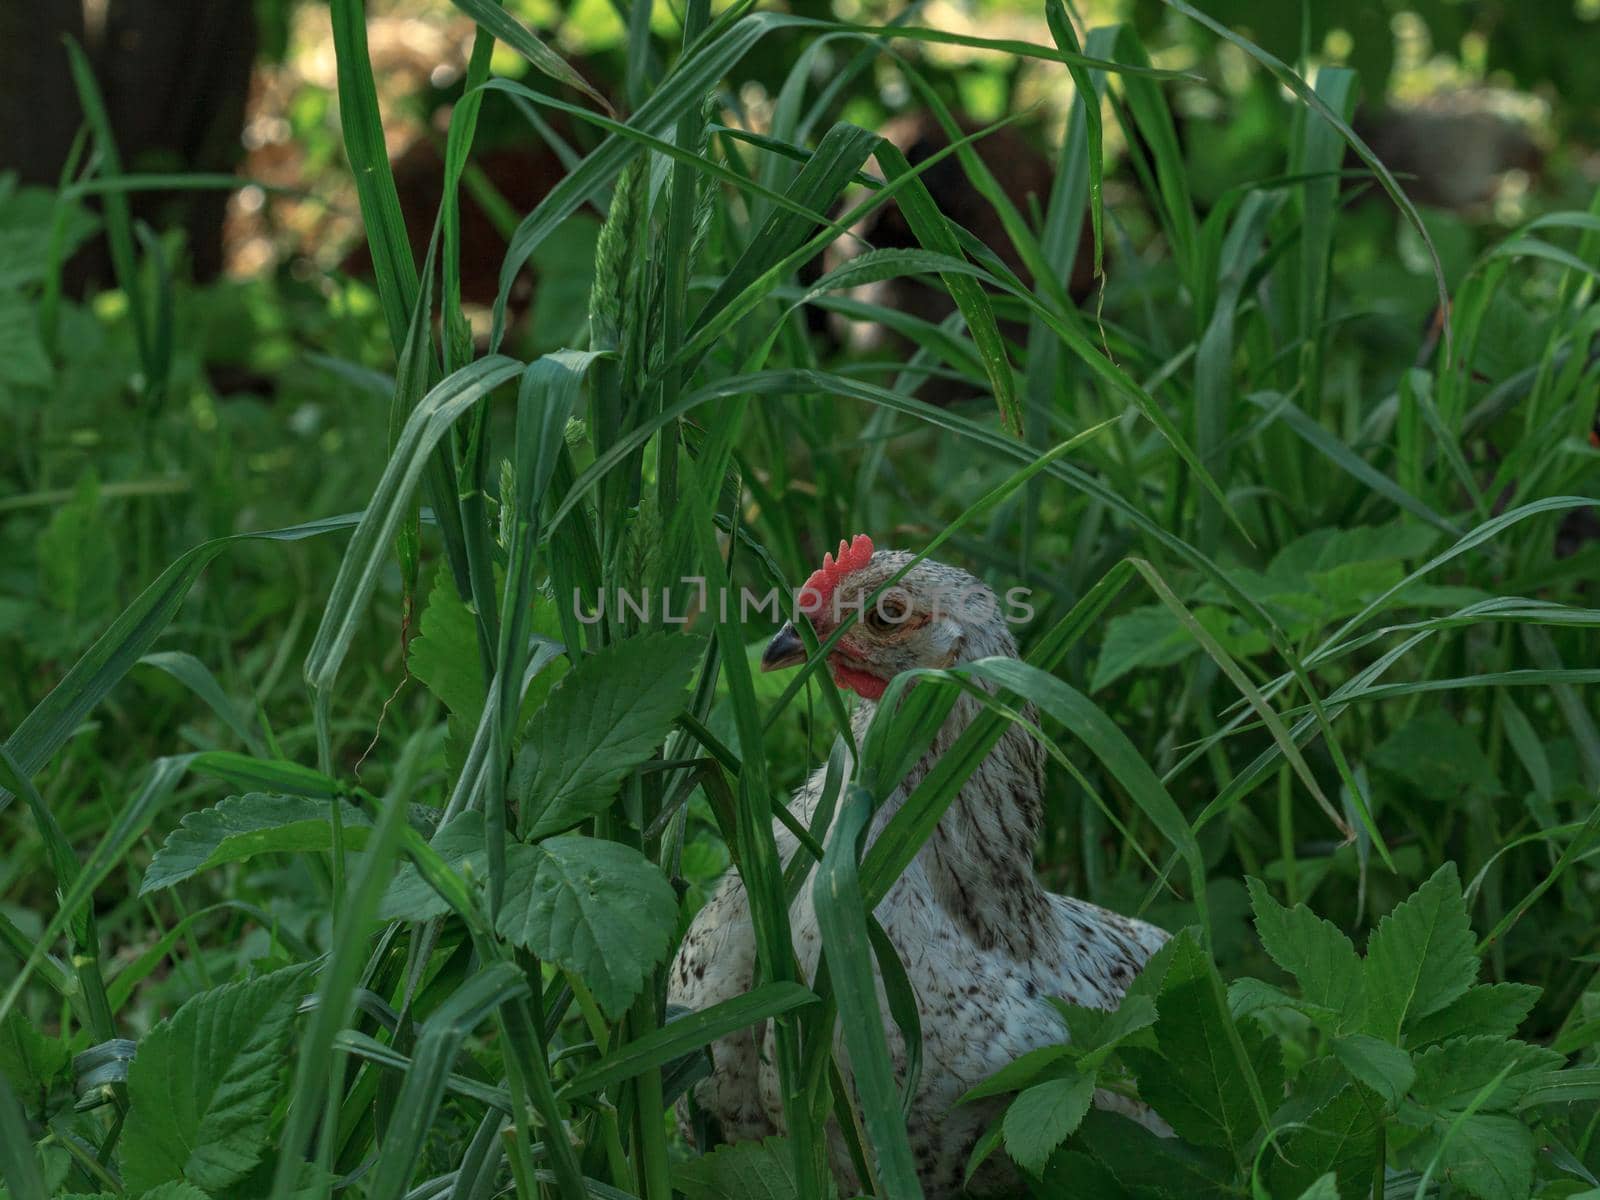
[{"x": 818, "y": 589}]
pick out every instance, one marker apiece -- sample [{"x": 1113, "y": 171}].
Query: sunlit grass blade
[{"x": 393, "y": 267}]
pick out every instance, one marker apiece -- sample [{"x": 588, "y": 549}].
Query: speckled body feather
[{"x": 982, "y": 940}]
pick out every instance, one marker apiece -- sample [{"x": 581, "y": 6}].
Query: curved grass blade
[
  {"x": 367, "y": 552},
  {"x": 687, "y": 1033},
  {"x": 502, "y": 25},
  {"x": 47, "y": 728},
  {"x": 197, "y": 677}
]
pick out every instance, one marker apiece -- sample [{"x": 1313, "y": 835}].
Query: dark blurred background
[{"x": 1478, "y": 103}]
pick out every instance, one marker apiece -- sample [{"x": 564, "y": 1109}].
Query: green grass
[{"x": 1316, "y": 688}]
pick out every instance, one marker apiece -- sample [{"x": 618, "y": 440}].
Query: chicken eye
[{"x": 888, "y": 612}]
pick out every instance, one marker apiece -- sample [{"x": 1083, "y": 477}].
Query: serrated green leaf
[
  {"x": 743, "y": 1171},
  {"x": 241, "y": 827},
  {"x": 444, "y": 655},
  {"x": 1073, "y": 1175},
  {"x": 1247, "y": 996},
  {"x": 1097, "y": 1032},
  {"x": 1148, "y": 1164},
  {"x": 1341, "y": 1137},
  {"x": 1320, "y": 957},
  {"x": 1450, "y": 1075},
  {"x": 1383, "y": 1067},
  {"x": 1421, "y": 956},
  {"x": 600, "y": 722},
  {"x": 1044, "y": 1116},
  {"x": 600, "y": 909},
  {"x": 1196, "y": 1081},
  {"x": 1490, "y": 1156},
  {"x": 29, "y": 1060},
  {"x": 204, "y": 1082},
  {"x": 176, "y": 1190},
  {"x": 1484, "y": 1008}
]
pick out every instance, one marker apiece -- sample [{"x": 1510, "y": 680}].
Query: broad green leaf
[
  {"x": 743, "y": 1171},
  {"x": 1021, "y": 1071},
  {"x": 1340, "y": 1136},
  {"x": 1439, "y": 758},
  {"x": 1148, "y": 1164},
  {"x": 176, "y": 1190},
  {"x": 1096, "y": 1032},
  {"x": 460, "y": 844},
  {"x": 1044, "y": 1116},
  {"x": 30, "y": 1061},
  {"x": 1491, "y": 1157},
  {"x": 444, "y": 655},
  {"x": 1383, "y": 1067},
  {"x": 19, "y": 1161},
  {"x": 240, "y": 827},
  {"x": 1196, "y": 1080},
  {"x": 1325, "y": 1188},
  {"x": 1247, "y": 996},
  {"x": 1320, "y": 957},
  {"x": 1421, "y": 956},
  {"x": 1071, "y": 1174},
  {"x": 1148, "y": 636},
  {"x": 1484, "y": 1008},
  {"x": 22, "y": 356},
  {"x": 1450, "y": 1075},
  {"x": 204, "y": 1083},
  {"x": 600, "y": 722},
  {"x": 600, "y": 909}
]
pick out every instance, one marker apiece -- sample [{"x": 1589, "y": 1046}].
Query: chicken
[{"x": 983, "y": 942}]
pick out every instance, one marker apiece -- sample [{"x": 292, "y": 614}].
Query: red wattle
[{"x": 862, "y": 683}]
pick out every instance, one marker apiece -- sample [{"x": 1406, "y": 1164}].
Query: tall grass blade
[{"x": 841, "y": 911}]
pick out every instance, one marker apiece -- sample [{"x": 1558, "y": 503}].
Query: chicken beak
[{"x": 784, "y": 650}]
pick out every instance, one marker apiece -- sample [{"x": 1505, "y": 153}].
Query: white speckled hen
[{"x": 982, "y": 940}]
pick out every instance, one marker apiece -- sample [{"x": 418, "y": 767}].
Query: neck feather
[{"x": 979, "y": 859}]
